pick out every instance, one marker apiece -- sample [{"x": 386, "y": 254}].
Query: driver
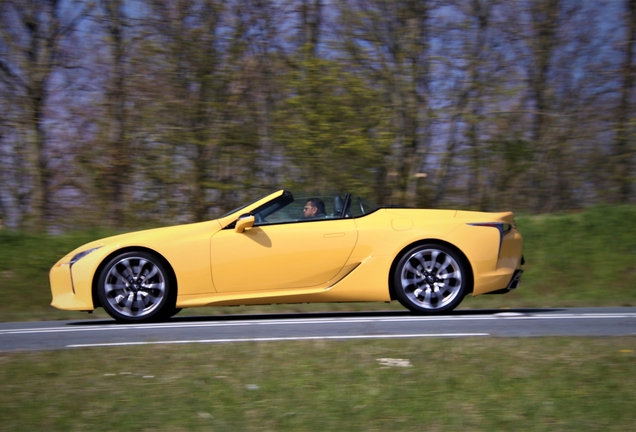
[{"x": 314, "y": 208}]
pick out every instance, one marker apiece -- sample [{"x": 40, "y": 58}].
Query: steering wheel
[
  {"x": 258, "y": 218},
  {"x": 361, "y": 206}
]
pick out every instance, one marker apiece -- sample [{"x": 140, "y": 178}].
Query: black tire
[
  {"x": 135, "y": 287},
  {"x": 173, "y": 312},
  {"x": 430, "y": 279}
]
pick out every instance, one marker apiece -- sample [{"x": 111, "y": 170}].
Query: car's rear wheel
[
  {"x": 430, "y": 278},
  {"x": 136, "y": 287}
]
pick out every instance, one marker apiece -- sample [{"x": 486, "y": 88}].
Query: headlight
[{"x": 81, "y": 255}]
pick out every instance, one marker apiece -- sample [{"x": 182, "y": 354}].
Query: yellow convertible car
[{"x": 285, "y": 248}]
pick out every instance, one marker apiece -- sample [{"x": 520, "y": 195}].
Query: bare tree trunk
[
  {"x": 38, "y": 169},
  {"x": 417, "y": 128},
  {"x": 118, "y": 172},
  {"x": 623, "y": 154},
  {"x": 311, "y": 18},
  {"x": 480, "y": 11},
  {"x": 544, "y": 16},
  {"x": 30, "y": 34}
]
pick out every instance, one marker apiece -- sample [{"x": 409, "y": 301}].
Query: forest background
[{"x": 145, "y": 112}]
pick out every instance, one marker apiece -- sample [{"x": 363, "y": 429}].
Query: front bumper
[{"x": 65, "y": 295}]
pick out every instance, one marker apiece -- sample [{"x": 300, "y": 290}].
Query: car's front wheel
[
  {"x": 136, "y": 287},
  {"x": 430, "y": 278}
]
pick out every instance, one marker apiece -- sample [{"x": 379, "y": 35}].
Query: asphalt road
[{"x": 329, "y": 326}]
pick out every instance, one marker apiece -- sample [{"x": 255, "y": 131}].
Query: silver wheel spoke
[
  {"x": 444, "y": 265},
  {"x": 129, "y": 301},
  {"x": 128, "y": 268},
  {"x": 432, "y": 261},
  {"x": 141, "y": 300},
  {"x": 441, "y": 290},
  {"x": 140, "y": 268},
  {"x": 409, "y": 282},
  {"x": 152, "y": 273},
  {"x": 117, "y": 275},
  {"x": 453, "y": 275},
  {"x": 412, "y": 269},
  {"x": 150, "y": 296},
  {"x": 427, "y": 297},
  {"x": 114, "y": 287}
]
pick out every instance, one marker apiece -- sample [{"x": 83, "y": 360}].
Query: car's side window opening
[
  {"x": 301, "y": 208},
  {"x": 304, "y": 207},
  {"x": 358, "y": 206}
]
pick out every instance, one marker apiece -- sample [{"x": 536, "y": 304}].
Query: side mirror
[{"x": 244, "y": 222}]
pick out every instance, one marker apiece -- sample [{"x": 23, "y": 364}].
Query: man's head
[{"x": 315, "y": 207}]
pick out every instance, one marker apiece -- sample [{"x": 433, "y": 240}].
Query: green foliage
[{"x": 331, "y": 128}]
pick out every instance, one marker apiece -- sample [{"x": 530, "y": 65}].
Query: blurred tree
[
  {"x": 476, "y": 64},
  {"x": 311, "y": 12},
  {"x": 329, "y": 122},
  {"x": 480, "y": 11},
  {"x": 553, "y": 47},
  {"x": 117, "y": 171},
  {"x": 261, "y": 71},
  {"x": 178, "y": 110},
  {"x": 185, "y": 54},
  {"x": 389, "y": 42},
  {"x": 542, "y": 42},
  {"x": 331, "y": 129},
  {"x": 624, "y": 148},
  {"x": 219, "y": 64},
  {"x": 31, "y": 34}
]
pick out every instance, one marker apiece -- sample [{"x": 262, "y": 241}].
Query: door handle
[{"x": 332, "y": 235}]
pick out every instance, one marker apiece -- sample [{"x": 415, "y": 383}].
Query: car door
[{"x": 281, "y": 256}]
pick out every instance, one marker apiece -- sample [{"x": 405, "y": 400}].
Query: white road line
[
  {"x": 277, "y": 339},
  {"x": 309, "y": 321}
]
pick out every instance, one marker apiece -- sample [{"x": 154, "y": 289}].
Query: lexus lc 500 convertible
[{"x": 286, "y": 248}]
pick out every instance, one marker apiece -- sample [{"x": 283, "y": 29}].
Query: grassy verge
[
  {"x": 581, "y": 384},
  {"x": 577, "y": 259}
]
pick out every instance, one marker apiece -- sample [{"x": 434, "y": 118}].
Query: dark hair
[{"x": 319, "y": 204}]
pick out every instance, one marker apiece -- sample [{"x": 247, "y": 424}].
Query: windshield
[{"x": 243, "y": 206}]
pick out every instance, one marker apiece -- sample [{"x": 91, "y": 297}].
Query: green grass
[
  {"x": 577, "y": 259},
  {"x": 25, "y": 261},
  {"x": 530, "y": 384}
]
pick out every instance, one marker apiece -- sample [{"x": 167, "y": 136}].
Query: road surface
[{"x": 329, "y": 326}]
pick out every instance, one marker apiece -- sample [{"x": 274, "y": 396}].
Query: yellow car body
[{"x": 345, "y": 256}]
